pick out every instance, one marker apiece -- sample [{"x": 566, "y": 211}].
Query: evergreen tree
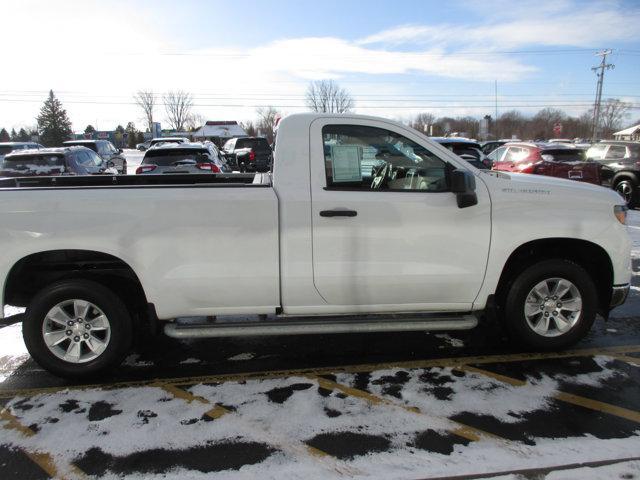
[
  {"x": 14, "y": 135},
  {"x": 54, "y": 126},
  {"x": 23, "y": 136},
  {"x": 4, "y": 135},
  {"x": 89, "y": 130},
  {"x": 132, "y": 135}
]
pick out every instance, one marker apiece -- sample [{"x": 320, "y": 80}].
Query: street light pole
[{"x": 600, "y": 74}]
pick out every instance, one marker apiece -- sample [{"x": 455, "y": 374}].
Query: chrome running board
[{"x": 327, "y": 325}]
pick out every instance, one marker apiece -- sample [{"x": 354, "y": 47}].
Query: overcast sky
[{"x": 396, "y": 57}]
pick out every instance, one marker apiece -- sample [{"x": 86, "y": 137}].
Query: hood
[{"x": 524, "y": 183}]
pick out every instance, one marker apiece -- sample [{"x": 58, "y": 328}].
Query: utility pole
[
  {"x": 496, "y": 98},
  {"x": 600, "y": 74}
]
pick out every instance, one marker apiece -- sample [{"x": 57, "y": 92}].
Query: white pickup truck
[{"x": 364, "y": 225}]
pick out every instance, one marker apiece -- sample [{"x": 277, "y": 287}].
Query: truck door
[{"x": 387, "y": 230}]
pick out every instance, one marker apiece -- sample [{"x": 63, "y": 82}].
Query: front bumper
[{"x": 619, "y": 295}]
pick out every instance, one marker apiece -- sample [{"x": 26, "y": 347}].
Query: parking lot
[{"x": 406, "y": 405}]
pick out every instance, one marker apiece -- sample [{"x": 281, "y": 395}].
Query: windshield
[{"x": 166, "y": 158}]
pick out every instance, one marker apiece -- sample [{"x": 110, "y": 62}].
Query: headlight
[{"x": 620, "y": 211}]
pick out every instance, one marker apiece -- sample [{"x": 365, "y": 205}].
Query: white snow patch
[
  {"x": 242, "y": 356},
  {"x": 453, "y": 342},
  {"x": 190, "y": 361},
  {"x": 132, "y": 361},
  {"x": 10, "y": 310}
]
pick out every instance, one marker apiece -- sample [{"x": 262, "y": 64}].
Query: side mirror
[
  {"x": 119, "y": 150},
  {"x": 463, "y": 184}
]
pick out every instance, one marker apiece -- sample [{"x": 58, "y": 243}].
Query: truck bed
[{"x": 197, "y": 247}]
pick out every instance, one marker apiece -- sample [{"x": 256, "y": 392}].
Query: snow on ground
[
  {"x": 134, "y": 159},
  {"x": 287, "y": 413}
]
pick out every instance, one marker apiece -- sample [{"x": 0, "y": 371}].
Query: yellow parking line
[
  {"x": 599, "y": 406},
  {"x": 42, "y": 459},
  {"x": 218, "y": 410},
  {"x": 464, "y": 431},
  {"x": 438, "y": 362},
  {"x": 585, "y": 402},
  {"x": 627, "y": 359}
]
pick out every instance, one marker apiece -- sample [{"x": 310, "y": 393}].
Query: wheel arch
[
  {"x": 624, "y": 175},
  {"x": 590, "y": 256},
  {"x": 33, "y": 272}
]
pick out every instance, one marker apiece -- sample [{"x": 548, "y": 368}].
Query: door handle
[{"x": 338, "y": 213}]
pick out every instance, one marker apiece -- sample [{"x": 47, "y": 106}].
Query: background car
[
  {"x": 53, "y": 162},
  {"x": 490, "y": 145},
  {"x": 143, "y": 146},
  {"x": 550, "y": 159},
  {"x": 158, "y": 140},
  {"x": 621, "y": 167},
  {"x": 8, "y": 147},
  {"x": 249, "y": 154},
  {"x": 106, "y": 151},
  {"x": 466, "y": 148},
  {"x": 182, "y": 158}
]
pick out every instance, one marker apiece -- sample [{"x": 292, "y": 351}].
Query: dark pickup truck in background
[
  {"x": 620, "y": 167},
  {"x": 248, "y": 154}
]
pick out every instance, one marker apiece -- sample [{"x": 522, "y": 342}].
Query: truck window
[{"x": 371, "y": 158}]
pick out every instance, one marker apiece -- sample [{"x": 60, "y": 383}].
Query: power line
[{"x": 240, "y": 105}]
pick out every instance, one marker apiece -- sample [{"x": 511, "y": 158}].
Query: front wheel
[
  {"x": 77, "y": 328},
  {"x": 627, "y": 189},
  {"x": 551, "y": 305}
]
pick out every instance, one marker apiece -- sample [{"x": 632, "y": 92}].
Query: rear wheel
[
  {"x": 551, "y": 305},
  {"x": 628, "y": 189},
  {"x": 77, "y": 328}
]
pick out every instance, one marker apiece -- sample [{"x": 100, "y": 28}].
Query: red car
[{"x": 553, "y": 160}]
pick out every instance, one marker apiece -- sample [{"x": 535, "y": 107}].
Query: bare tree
[
  {"x": 146, "y": 101},
  {"x": 327, "y": 96},
  {"x": 249, "y": 127},
  {"x": 511, "y": 123},
  {"x": 612, "y": 113},
  {"x": 423, "y": 121},
  {"x": 266, "y": 121},
  {"x": 194, "y": 122},
  {"x": 178, "y": 105}
]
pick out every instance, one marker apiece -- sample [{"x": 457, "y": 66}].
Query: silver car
[{"x": 182, "y": 158}]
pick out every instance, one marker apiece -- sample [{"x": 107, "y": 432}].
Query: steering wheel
[{"x": 380, "y": 178}]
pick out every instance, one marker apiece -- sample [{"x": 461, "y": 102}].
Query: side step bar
[{"x": 315, "y": 325}]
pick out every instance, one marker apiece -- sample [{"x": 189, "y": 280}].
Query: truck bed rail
[{"x": 91, "y": 181}]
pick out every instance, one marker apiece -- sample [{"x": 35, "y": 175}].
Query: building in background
[
  {"x": 631, "y": 133},
  {"x": 219, "y": 131}
]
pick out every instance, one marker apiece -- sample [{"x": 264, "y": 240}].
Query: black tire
[
  {"x": 110, "y": 304},
  {"x": 515, "y": 320},
  {"x": 628, "y": 189}
]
